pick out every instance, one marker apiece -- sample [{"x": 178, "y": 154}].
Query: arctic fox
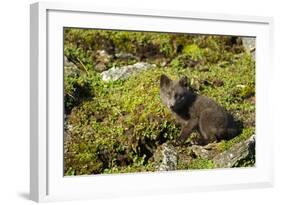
[{"x": 196, "y": 112}]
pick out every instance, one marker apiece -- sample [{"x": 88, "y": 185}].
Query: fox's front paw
[{"x": 180, "y": 140}]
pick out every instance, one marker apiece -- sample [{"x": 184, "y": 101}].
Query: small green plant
[
  {"x": 201, "y": 164},
  {"x": 193, "y": 51}
]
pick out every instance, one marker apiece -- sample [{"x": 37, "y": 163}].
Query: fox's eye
[{"x": 179, "y": 96}]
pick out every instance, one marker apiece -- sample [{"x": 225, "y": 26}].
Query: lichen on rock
[
  {"x": 237, "y": 153},
  {"x": 121, "y": 73},
  {"x": 166, "y": 157}
]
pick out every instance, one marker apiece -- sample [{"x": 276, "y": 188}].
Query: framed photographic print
[{"x": 127, "y": 102}]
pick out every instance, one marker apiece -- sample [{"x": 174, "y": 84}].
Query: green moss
[
  {"x": 114, "y": 127},
  {"x": 246, "y": 134},
  {"x": 198, "y": 163},
  {"x": 201, "y": 164},
  {"x": 193, "y": 51}
]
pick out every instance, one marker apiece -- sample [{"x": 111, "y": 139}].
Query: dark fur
[{"x": 196, "y": 112}]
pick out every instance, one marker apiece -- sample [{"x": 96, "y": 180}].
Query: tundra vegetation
[{"x": 117, "y": 126}]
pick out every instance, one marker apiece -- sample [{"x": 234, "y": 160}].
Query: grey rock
[
  {"x": 100, "y": 67},
  {"x": 205, "y": 152},
  {"x": 102, "y": 59},
  {"x": 123, "y": 55},
  {"x": 68, "y": 63},
  {"x": 249, "y": 44},
  {"x": 236, "y": 153},
  {"x": 121, "y": 73},
  {"x": 166, "y": 156},
  {"x": 103, "y": 56},
  {"x": 70, "y": 68}
]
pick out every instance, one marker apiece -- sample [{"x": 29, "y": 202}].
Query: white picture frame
[{"x": 47, "y": 182}]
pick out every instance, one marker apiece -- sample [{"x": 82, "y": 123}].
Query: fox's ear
[
  {"x": 164, "y": 80},
  {"x": 183, "y": 81}
]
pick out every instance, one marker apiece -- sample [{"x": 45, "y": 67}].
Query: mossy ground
[{"x": 115, "y": 127}]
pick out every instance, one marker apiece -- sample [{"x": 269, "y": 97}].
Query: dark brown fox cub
[{"x": 196, "y": 112}]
